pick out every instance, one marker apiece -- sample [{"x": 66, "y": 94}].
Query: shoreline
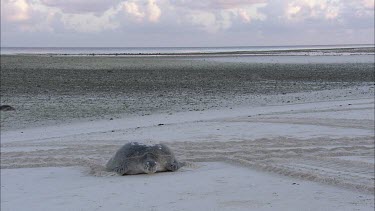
[
  {"x": 354, "y": 93},
  {"x": 88, "y": 126},
  {"x": 260, "y": 52}
]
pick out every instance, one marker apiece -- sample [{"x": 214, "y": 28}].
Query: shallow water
[
  {"x": 163, "y": 50},
  {"x": 294, "y": 59}
]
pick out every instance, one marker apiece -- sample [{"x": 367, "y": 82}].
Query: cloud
[
  {"x": 235, "y": 3},
  {"x": 260, "y": 19},
  {"x": 317, "y": 9},
  {"x": 154, "y": 11},
  {"x": 81, "y": 6},
  {"x": 133, "y": 10},
  {"x": 368, "y": 3},
  {"x": 244, "y": 15},
  {"x": 208, "y": 21},
  {"x": 15, "y": 10},
  {"x": 89, "y": 22},
  {"x": 218, "y": 15},
  {"x": 139, "y": 10},
  {"x": 215, "y": 4},
  {"x": 26, "y": 16}
]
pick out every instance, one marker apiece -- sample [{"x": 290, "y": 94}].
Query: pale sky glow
[{"x": 141, "y": 23}]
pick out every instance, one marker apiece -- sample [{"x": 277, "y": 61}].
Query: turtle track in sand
[
  {"x": 341, "y": 161},
  {"x": 318, "y": 159}
]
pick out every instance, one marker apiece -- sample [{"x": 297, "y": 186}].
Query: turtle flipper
[
  {"x": 174, "y": 166},
  {"x": 121, "y": 169}
]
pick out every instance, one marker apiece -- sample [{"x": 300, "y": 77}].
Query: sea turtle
[{"x": 136, "y": 158}]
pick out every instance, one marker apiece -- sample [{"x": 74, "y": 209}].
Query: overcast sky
[{"x": 149, "y": 23}]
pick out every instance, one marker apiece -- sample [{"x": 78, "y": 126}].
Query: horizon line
[{"x": 228, "y": 46}]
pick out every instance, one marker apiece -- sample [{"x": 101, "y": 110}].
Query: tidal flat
[{"x": 54, "y": 89}]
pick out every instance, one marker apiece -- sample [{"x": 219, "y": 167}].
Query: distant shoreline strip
[{"x": 292, "y": 52}]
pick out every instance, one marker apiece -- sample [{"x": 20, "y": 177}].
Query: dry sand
[{"x": 281, "y": 159}]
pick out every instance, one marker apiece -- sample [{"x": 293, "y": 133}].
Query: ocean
[{"x": 166, "y": 50}]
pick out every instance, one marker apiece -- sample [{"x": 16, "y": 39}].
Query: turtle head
[{"x": 150, "y": 166}]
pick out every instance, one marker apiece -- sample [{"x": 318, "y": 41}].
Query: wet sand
[{"x": 48, "y": 90}]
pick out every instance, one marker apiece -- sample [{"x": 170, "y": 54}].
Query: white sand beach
[
  {"x": 235, "y": 105},
  {"x": 255, "y": 136},
  {"x": 252, "y": 105},
  {"x": 300, "y": 156}
]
